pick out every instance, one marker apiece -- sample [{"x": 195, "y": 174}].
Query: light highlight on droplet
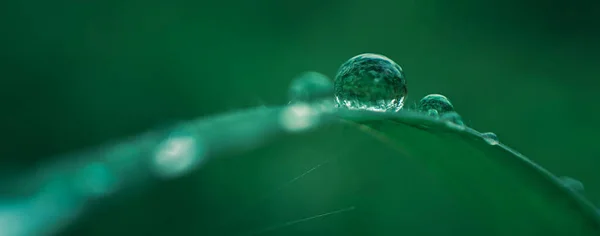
[
  {"x": 177, "y": 155},
  {"x": 298, "y": 117}
]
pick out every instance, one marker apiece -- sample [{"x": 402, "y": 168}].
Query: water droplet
[
  {"x": 177, "y": 155},
  {"x": 370, "y": 82},
  {"x": 490, "y": 138},
  {"x": 310, "y": 86},
  {"x": 436, "y": 102},
  {"x": 572, "y": 183},
  {"x": 298, "y": 117}
]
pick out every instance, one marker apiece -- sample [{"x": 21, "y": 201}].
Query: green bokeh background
[{"x": 78, "y": 73}]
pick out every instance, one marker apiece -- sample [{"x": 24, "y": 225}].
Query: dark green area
[{"x": 78, "y": 73}]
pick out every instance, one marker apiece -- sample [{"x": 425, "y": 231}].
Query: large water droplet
[
  {"x": 436, "y": 102},
  {"x": 490, "y": 138},
  {"x": 370, "y": 82},
  {"x": 310, "y": 86},
  {"x": 572, "y": 183}
]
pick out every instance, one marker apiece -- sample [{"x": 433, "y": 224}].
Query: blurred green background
[{"x": 79, "y": 73}]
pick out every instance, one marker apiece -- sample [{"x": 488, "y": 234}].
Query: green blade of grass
[
  {"x": 517, "y": 196},
  {"x": 523, "y": 197}
]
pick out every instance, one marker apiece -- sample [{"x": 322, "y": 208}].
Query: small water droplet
[
  {"x": 370, "y": 82},
  {"x": 572, "y": 183},
  {"x": 453, "y": 121},
  {"x": 490, "y": 138},
  {"x": 310, "y": 86},
  {"x": 437, "y": 102},
  {"x": 177, "y": 155}
]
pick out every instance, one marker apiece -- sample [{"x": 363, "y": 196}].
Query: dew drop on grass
[
  {"x": 490, "y": 138},
  {"x": 370, "y": 82},
  {"x": 436, "y": 102},
  {"x": 439, "y": 106},
  {"x": 310, "y": 86}
]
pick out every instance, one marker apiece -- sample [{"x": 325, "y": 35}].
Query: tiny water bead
[
  {"x": 370, "y": 82},
  {"x": 436, "y": 102},
  {"x": 310, "y": 86},
  {"x": 490, "y": 138}
]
